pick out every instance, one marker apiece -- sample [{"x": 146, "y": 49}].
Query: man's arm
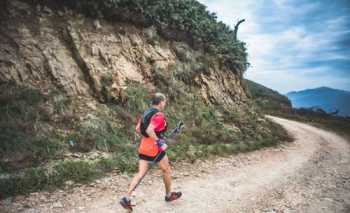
[
  {"x": 150, "y": 131},
  {"x": 138, "y": 127}
]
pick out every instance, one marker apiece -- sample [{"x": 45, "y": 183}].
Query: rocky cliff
[{"x": 67, "y": 51}]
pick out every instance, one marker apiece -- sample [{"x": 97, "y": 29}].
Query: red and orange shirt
[{"x": 148, "y": 145}]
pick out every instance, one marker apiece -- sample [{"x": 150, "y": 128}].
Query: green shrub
[
  {"x": 137, "y": 98},
  {"x": 98, "y": 133},
  {"x": 34, "y": 179},
  {"x": 23, "y": 127},
  {"x": 78, "y": 171},
  {"x": 243, "y": 147},
  {"x": 107, "y": 164}
]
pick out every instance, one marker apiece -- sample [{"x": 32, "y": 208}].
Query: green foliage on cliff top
[{"x": 186, "y": 20}]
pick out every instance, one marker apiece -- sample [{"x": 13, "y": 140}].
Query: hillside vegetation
[
  {"x": 267, "y": 99},
  {"x": 76, "y": 75}
]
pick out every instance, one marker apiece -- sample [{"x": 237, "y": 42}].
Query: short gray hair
[{"x": 157, "y": 98}]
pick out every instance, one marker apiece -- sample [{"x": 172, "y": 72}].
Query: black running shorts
[{"x": 159, "y": 157}]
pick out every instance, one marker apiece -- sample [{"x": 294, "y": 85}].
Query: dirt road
[{"x": 311, "y": 174}]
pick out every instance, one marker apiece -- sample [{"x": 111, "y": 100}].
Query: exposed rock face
[
  {"x": 223, "y": 88},
  {"x": 84, "y": 57}
]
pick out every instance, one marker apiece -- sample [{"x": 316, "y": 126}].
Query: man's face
[{"x": 162, "y": 104}]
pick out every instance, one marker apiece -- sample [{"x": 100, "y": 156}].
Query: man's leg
[
  {"x": 125, "y": 201},
  {"x": 165, "y": 167},
  {"x": 143, "y": 167}
]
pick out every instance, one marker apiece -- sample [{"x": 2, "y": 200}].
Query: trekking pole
[{"x": 179, "y": 126}]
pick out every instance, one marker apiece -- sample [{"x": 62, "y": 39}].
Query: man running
[{"x": 152, "y": 148}]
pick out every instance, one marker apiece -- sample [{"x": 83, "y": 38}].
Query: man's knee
[{"x": 166, "y": 170}]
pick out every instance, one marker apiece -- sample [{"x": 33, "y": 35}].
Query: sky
[{"x": 292, "y": 44}]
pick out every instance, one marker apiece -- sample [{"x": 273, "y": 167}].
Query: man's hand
[{"x": 161, "y": 143}]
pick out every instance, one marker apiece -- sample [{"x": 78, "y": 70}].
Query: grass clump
[
  {"x": 26, "y": 135},
  {"x": 34, "y": 179}
]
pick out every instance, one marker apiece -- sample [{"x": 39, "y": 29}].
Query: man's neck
[{"x": 156, "y": 107}]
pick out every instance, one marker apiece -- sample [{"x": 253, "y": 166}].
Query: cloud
[{"x": 306, "y": 42}]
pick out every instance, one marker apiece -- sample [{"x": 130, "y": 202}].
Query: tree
[{"x": 236, "y": 28}]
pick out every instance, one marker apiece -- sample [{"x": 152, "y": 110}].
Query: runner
[{"x": 152, "y": 148}]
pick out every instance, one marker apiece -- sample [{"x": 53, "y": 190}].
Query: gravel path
[{"x": 311, "y": 174}]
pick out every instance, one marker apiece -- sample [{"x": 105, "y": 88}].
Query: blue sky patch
[{"x": 292, "y": 45}]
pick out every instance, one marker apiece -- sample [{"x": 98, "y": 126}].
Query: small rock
[
  {"x": 42, "y": 198},
  {"x": 19, "y": 198},
  {"x": 97, "y": 24},
  {"x": 47, "y": 10},
  {"x": 61, "y": 13},
  {"x": 269, "y": 211},
  {"x": 57, "y": 205},
  {"x": 34, "y": 194},
  {"x": 91, "y": 105},
  {"x": 7, "y": 201},
  {"x": 94, "y": 50},
  {"x": 186, "y": 174},
  {"x": 75, "y": 155},
  {"x": 69, "y": 183}
]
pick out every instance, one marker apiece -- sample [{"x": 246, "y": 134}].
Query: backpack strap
[{"x": 146, "y": 119}]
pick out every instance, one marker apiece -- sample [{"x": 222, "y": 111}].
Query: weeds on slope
[{"x": 210, "y": 131}]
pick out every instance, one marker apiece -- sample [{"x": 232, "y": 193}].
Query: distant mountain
[
  {"x": 266, "y": 98},
  {"x": 326, "y": 98}
]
